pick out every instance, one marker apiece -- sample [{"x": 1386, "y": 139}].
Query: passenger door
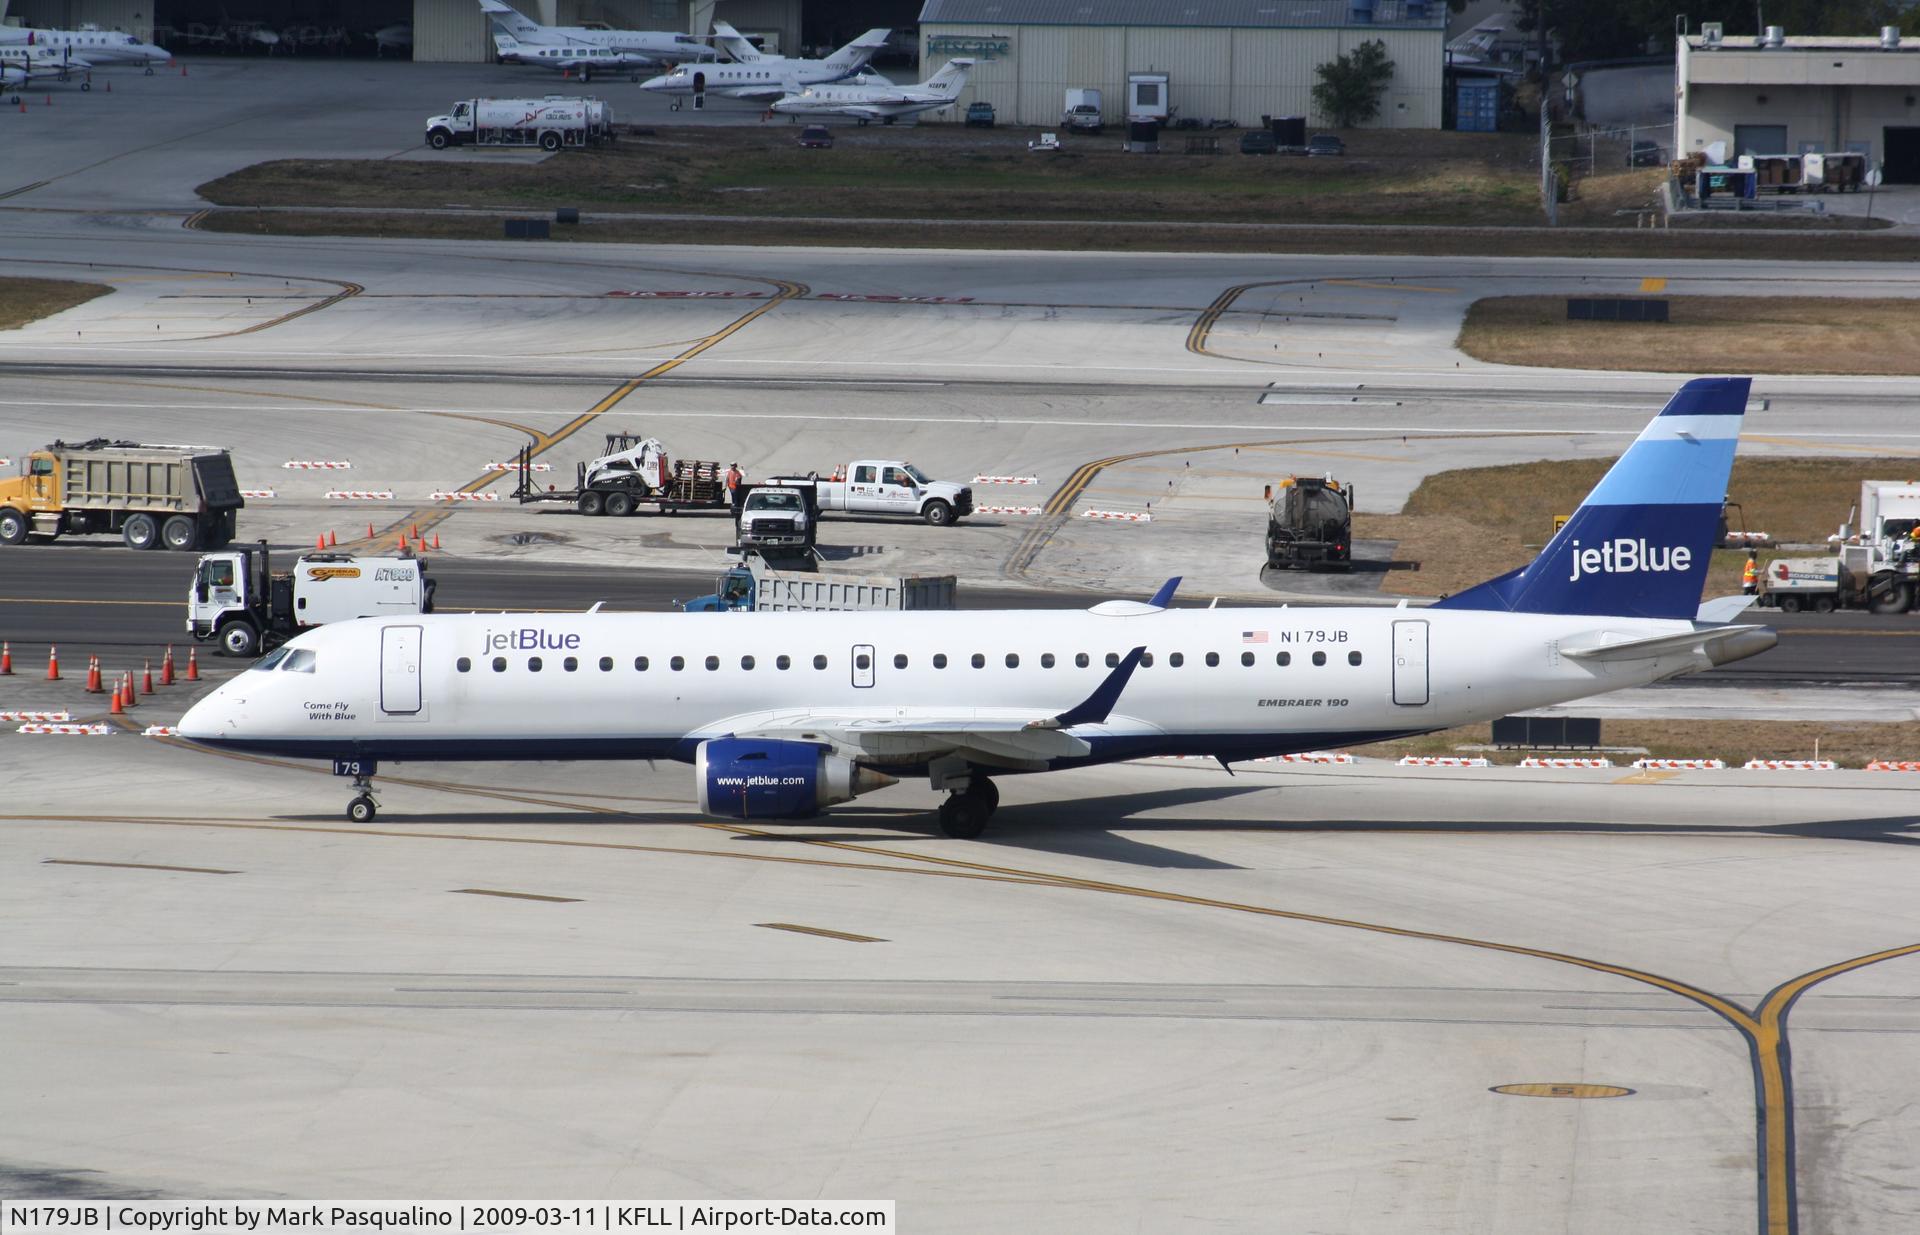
[
  {"x": 901, "y": 494},
  {"x": 400, "y": 670},
  {"x": 863, "y": 488},
  {"x": 863, "y": 665},
  {"x": 1410, "y": 663}
]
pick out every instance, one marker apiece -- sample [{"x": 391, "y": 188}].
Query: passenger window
[
  {"x": 1213, "y": 660},
  {"x": 1146, "y": 660},
  {"x": 939, "y": 660},
  {"x": 640, "y": 664},
  {"x": 499, "y": 664},
  {"x": 463, "y": 665},
  {"x": 1246, "y": 659},
  {"x": 570, "y": 664},
  {"x": 1283, "y": 659},
  {"x": 1046, "y": 660},
  {"x": 1080, "y": 660},
  {"x": 533, "y": 664},
  {"x": 713, "y": 663},
  {"x": 819, "y": 662},
  {"x": 606, "y": 664},
  {"x": 1319, "y": 658},
  {"x": 1176, "y": 659},
  {"x": 783, "y": 662},
  {"x": 677, "y": 663},
  {"x": 979, "y": 661},
  {"x": 1013, "y": 660},
  {"x": 1353, "y": 658},
  {"x": 863, "y": 475},
  {"x": 1113, "y": 660},
  {"x": 863, "y": 661},
  {"x": 900, "y": 661},
  {"x": 301, "y": 661},
  {"x": 746, "y": 662}
]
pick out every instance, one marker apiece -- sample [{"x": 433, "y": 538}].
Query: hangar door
[{"x": 1902, "y": 162}]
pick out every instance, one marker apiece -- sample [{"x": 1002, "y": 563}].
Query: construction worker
[
  {"x": 735, "y": 494},
  {"x": 1750, "y": 577}
]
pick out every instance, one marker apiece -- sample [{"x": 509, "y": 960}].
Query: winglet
[
  {"x": 1164, "y": 597},
  {"x": 1099, "y": 705}
]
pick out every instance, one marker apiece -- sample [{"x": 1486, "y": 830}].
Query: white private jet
[
  {"x": 21, "y": 64},
  {"x": 763, "y": 76},
  {"x": 397, "y": 38},
  {"x": 646, "y": 47},
  {"x": 98, "y": 48},
  {"x": 883, "y": 103},
  {"x": 783, "y": 714}
]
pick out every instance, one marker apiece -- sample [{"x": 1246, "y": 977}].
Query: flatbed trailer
[{"x": 669, "y": 486}]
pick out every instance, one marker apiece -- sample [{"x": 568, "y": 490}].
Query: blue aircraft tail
[{"x": 1640, "y": 544}]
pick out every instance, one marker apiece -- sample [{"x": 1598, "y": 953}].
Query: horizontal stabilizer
[
  {"x": 1719, "y": 644},
  {"x": 1723, "y": 609}
]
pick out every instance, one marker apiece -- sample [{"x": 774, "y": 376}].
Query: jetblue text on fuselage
[
  {"x": 531, "y": 639},
  {"x": 1623, "y": 556}
]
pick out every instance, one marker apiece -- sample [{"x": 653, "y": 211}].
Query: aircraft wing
[
  {"x": 769, "y": 92},
  {"x": 999, "y": 737}
]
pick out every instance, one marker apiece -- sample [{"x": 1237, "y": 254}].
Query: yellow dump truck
[{"x": 184, "y": 497}]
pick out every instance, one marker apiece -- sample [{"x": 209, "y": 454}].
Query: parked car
[
  {"x": 980, "y": 115},
  {"x": 1256, "y": 141},
  {"x": 816, "y": 137},
  {"x": 1325, "y": 143},
  {"x": 1647, "y": 154}
]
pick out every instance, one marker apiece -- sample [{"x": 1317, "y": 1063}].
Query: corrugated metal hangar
[
  {"x": 1802, "y": 94},
  {"x": 436, "y": 29},
  {"x": 1224, "y": 59}
]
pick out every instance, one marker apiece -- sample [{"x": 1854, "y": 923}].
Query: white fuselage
[
  {"x": 604, "y": 685},
  {"x": 769, "y": 77},
  {"x": 95, "y": 47},
  {"x": 866, "y": 102}
]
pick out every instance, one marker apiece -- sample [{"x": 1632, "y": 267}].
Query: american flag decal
[{"x": 1253, "y": 636}]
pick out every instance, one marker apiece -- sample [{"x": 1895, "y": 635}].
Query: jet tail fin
[
  {"x": 513, "y": 21},
  {"x": 861, "y": 50},
  {"x": 1640, "y": 543},
  {"x": 739, "y": 47},
  {"x": 951, "y": 79}
]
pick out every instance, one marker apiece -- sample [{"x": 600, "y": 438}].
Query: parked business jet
[
  {"x": 97, "y": 48},
  {"x": 783, "y": 714},
  {"x": 20, "y": 64},
  {"x": 649, "y": 46},
  {"x": 737, "y": 46},
  {"x": 768, "y": 77},
  {"x": 884, "y": 103}
]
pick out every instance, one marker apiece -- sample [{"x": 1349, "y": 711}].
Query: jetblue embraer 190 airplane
[{"x": 783, "y": 714}]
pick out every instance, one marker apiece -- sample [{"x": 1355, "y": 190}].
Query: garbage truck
[{"x": 239, "y": 602}]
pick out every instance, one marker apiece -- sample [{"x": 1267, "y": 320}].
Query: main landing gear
[
  {"x": 964, "y": 814},
  {"x": 363, "y": 807}
]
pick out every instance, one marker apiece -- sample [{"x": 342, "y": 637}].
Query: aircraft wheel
[
  {"x": 982, "y": 789},
  {"x": 963, "y": 817},
  {"x": 149, "y": 72},
  {"x": 85, "y": 86},
  {"x": 362, "y": 809}
]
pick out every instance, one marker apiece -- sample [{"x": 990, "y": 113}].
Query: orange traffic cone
[
  {"x": 166, "y": 668},
  {"x": 146, "y": 677},
  {"x": 416, "y": 531},
  {"x": 53, "y": 664},
  {"x": 127, "y": 696},
  {"x": 93, "y": 676},
  {"x": 6, "y": 659},
  {"x": 115, "y": 708},
  {"x": 193, "y": 665},
  {"x": 332, "y": 540},
  {"x": 436, "y": 540},
  {"x": 369, "y": 531}
]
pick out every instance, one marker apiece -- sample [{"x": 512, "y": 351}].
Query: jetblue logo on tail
[{"x": 1623, "y": 556}]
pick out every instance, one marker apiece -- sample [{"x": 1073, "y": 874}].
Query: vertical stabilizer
[{"x": 1639, "y": 546}]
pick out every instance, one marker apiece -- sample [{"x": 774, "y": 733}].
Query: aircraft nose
[{"x": 211, "y": 719}]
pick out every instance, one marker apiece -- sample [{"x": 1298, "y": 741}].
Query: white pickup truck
[{"x": 890, "y": 487}]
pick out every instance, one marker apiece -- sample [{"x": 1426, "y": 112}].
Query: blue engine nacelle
[{"x": 744, "y": 778}]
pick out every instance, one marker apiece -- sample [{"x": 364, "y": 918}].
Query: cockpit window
[
  {"x": 301, "y": 661},
  {"x": 273, "y": 658}
]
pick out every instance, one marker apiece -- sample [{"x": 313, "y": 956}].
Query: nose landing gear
[
  {"x": 363, "y": 807},
  {"x": 964, "y": 814}
]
